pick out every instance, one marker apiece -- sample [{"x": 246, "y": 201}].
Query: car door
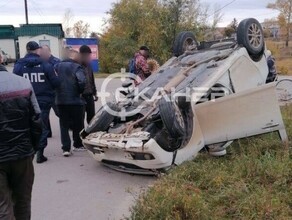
[
  {"x": 246, "y": 74},
  {"x": 241, "y": 115}
]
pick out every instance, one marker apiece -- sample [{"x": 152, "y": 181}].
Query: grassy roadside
[
  {"x": 101, "y": 75},
  {"x": 283, "y": 56},
  {"x": 284, "y": 66},
  {"x": 254, "y": 181}
]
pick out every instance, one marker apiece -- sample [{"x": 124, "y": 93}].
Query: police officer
[{"x": 44, "y": 81}]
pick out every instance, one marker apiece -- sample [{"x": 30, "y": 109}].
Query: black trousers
[
  {"x": 89, "y": 107},
  {"x": 16, "y": 180},
  {"x": 55, "y": 108},
  {"x": 71, "y": 117}
]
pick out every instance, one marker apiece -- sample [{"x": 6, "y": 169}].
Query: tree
[
  {"x": 81, "y": 29},
  {"x": 231, "y": 28},
  {"x": 180, "y": 15},
  {"x": 228, "y": 32},
  {"x": 67, "y": 22},
  {"x": 154, "y": 23},
  {"x": 285, "y": 17},
  {"x": 93, "y": 35},
  {"x": 234, "y": 24},
  {"x": 271, "y": 27}
]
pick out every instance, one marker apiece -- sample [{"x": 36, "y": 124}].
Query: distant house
[
  {"x": 272, "y": 27},
  {"x": 276, "y": 31},
  {"x": 7, "y": 40},
  {"x": 44, "y": 34}
]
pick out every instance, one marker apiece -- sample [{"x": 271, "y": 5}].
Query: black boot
[{"x": 40, "y": 157}]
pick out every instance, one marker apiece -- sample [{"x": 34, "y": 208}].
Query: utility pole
[{"x": 26, "y": 11}]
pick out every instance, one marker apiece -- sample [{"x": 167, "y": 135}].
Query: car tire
[
  {"x": 172, "y": 117},
  {"x": 102, "y": 119},
  {"x": 250, "y": 35},
  {"x": 182, "y": 41}
]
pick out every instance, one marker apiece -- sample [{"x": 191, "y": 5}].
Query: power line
[
  {"x": 222, "y": 8},
  {"x": 6, "y": 3},
  {"x": 37, "y": 8}
]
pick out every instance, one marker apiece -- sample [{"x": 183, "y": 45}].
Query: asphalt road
[{"x": 78, "y": 187}]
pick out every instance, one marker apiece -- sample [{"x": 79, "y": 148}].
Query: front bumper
[{"x": 132, "y": 153}]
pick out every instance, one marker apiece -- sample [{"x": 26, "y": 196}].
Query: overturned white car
[{"x": 206, "y": 96}]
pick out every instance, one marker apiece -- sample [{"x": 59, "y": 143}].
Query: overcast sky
[{"x": 94, "y": 11}]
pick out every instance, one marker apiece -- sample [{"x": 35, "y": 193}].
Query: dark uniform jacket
[
  {"x": 41, "y": 75},
  {"x": 54, "y": 60}
]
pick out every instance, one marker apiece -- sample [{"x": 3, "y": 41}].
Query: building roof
[
  {"x": 31, "y": 30},
  {"x": 7, "y": 32}
]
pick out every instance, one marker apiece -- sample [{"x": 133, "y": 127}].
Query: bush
[
  {"x": 274, "y": 48},
  {"x": 254, "y": 181},
  {"x": 283, "y": 70}
]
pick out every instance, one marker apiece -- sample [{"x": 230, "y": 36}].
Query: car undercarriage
[{"x": 200, "y": 98}]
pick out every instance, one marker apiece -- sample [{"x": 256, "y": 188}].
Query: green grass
[
  {"x": 101, "y": 75},
  {"x": 254, "y": 181}
]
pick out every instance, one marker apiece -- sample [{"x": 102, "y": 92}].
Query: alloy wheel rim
[
  {"x": 255, "y": 36},
  {"x": 189, "y": 42}
]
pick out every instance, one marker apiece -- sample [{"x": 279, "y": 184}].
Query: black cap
[
  {"x": 84, "y": 49},
  {"x": 32, "y": 45},
  {"x": 144, "y": 48}
]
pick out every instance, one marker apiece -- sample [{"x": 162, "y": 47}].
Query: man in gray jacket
[
  {"x": 19, "y": 118},
  {"x": 70, "y": 102}
]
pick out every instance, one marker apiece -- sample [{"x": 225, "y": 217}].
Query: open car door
[{"x": 241, "y": 115}]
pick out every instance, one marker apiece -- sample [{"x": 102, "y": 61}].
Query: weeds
[
  {"x": 254, "y": 181},
  {"x": 283, "y": 56}
]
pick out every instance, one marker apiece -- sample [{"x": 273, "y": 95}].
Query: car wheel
[
  {"x": 250, "y": 34},
  {"x": 102, "y": 119},
  {"x": 183, "y": 41},
  {"x": 172, "y": 117}
]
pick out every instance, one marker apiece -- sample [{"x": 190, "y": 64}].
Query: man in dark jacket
[
  {"x": 47, "y": 55},
  {"x": 89, "y": 93},
  {"x": 44, "y": 81},
  {"x": 18, "y": 106},
  {"x": 70, "y": 102}
]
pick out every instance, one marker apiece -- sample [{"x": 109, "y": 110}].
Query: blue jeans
[{"x": 45, "y": 108}]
